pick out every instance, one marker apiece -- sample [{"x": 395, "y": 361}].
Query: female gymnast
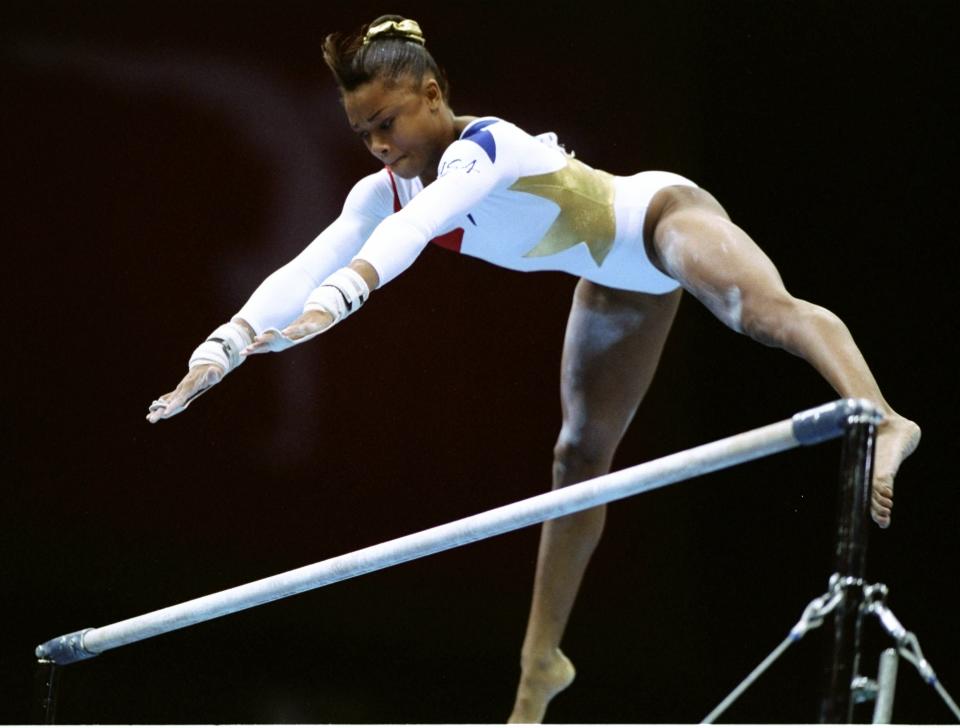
[{"x": 484, "y": 187}]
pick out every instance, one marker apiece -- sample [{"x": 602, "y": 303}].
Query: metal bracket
[
  {"x": 818, "y": 609},
  {"x": 863, "y": 689}
]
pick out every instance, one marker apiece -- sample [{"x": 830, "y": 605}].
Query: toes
[
  {"x": 881, "y": 501},
  {"x": 880, "y": 514}
]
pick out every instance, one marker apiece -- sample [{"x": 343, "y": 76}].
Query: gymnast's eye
[{"x": 386, "y": 124}]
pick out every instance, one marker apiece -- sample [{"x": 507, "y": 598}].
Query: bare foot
[
  {"x": 540, "y": 681},
  {"x": 897, "y": 438}
]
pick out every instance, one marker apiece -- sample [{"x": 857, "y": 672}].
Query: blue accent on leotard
[{"x": 477, "y": 133}]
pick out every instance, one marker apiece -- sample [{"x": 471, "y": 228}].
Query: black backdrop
[{"x": 161, "y": 158}]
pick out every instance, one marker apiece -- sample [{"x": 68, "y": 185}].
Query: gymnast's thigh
[{"x": 613, "y": 343}]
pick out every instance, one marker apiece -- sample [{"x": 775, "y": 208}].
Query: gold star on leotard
[{"x": 585, "y": 197}]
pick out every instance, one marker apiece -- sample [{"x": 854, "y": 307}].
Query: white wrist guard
[
  {"x": 340, "y": 295},
  {"x": 222, "y": 347}
]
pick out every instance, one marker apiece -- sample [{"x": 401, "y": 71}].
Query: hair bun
[{"x": 403, "y": 29}]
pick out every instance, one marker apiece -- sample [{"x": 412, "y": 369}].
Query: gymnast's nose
[{"x": 379, "y": 147}]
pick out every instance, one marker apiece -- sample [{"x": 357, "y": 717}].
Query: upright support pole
[
  {"x": 45, "y": 707},
  {"x": 886, "y": 685},
  {"x": 856, "y": 476}
]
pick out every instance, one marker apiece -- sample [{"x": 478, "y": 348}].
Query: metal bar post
[
  {"x": 886, "y": 685},
  {"x": 45, "y": 707},
  {"x": 856, "y": 476}
]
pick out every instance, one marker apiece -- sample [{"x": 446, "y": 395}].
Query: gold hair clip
[{"x": 409, "y": 29}]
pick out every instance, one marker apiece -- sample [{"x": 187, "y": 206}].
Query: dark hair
[{"x": 388, "y": 56}]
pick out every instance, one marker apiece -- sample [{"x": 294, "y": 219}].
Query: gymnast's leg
[
  {"x": 694, "y": 241},
  {"x": 611, "y": 349}
]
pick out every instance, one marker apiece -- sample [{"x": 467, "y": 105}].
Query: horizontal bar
[{"x": 808, "y": 427}]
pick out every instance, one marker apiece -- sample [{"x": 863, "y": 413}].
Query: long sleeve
[
  {"x": 466, "y": 176},
  {"x": 280, "y": 298}
]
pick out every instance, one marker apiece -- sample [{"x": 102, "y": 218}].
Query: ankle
[{"x": 549, "y": 661}]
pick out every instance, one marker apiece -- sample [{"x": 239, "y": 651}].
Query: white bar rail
[{"x": 806, "y": 428}]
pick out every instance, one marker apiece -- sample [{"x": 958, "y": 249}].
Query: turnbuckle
[
  {"x": 818, "y": 609},
  {"x": 875, "y": 602}
]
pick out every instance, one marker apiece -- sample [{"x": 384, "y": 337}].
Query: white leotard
[{"x": 502, "y": 195}]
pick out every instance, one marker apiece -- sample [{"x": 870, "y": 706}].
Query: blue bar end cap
[
  {"x": 829, "y": 421},
  {"x": 66, "y": 649}
]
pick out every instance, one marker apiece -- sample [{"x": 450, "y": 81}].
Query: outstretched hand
[
  {"x": 198, "y": 380},
  {"x": 304, "y": 328},
  {"x": 201, "y": 378}
]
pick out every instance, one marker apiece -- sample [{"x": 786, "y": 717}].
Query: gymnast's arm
[
  {"x": 393, "y": 247},
  {"x": 279, "y": 299}
]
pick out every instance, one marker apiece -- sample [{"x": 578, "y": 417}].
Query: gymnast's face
[{"x": 405, "y": 125}]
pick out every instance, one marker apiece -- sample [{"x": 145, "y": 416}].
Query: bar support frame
[
  {"x": 854, "y": 420},
  {"x": 853, "y": 517}
]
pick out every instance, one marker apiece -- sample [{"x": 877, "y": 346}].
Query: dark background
[{"x": 162, "y": 158}]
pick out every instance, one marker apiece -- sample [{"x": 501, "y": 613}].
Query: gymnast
[{"x": 484, "y": 187}]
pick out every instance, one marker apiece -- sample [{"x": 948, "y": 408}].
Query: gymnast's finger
[
  {"x": 158, "y": 407},
  {"x": 261, "y": 344},
  {"x": 296, "y": 331},
  {"x": 196, "y": 382},
  {"x": 309, "y": 323}
]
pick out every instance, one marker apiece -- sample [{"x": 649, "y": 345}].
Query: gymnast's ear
[{"x": 432, "y": 92}]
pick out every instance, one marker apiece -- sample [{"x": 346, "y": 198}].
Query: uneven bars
[{"x": 805, "y": 428}]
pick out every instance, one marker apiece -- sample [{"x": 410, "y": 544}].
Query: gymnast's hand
[
  {"x": 198, "y": 380},
  {"x": 304, "y": 328}
]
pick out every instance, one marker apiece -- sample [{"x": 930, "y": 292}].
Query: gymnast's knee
[{"x": 579, "y": 456}]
